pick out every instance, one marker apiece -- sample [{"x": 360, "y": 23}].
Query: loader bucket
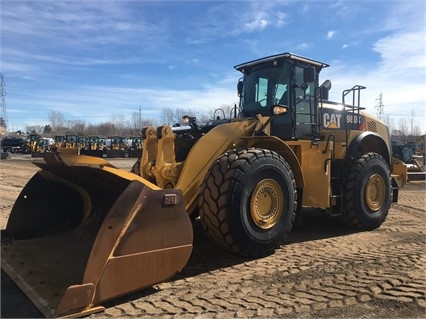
[{"x": 82, "y": 232}]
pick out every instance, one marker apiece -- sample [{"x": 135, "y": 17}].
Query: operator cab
[{"x": 282, "y": 82}]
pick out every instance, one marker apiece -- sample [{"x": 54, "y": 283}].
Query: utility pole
[
  {"x": 3, "y": 115},
  {"x": 379, "y": 106},
  {"x": 140, "y": 117}
]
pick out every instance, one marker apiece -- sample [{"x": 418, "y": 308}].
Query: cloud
[
  {"x": 260, "y": 16},
  {"x": 399, "y": 72},
  {"x": 305, "y": 8},
  {"x": 399, "y": 55},
  {"x": 399, "y": 76},
  {"x": 303, "y": 46},
  {"x": 78, "y": 25},
  {"x": 58, "y": 58},
  {"x": 257, "y": 24},
  {"x": 331, "y": 34},
  {"x": 103, "y": 101},
  {"x": 281, "y": 19}
]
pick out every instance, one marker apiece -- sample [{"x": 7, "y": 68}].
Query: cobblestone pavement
[{"x": 325, "y": 270}]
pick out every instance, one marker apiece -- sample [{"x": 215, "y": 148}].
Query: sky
[{"x": 96, "y": 60}]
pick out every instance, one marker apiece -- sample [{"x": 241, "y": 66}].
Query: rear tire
[
  {"x": 367, "y": 191},
  {"x": 248, "y": 201}
]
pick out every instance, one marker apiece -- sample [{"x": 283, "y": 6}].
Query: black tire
[
  {"x": 367, "y": 191},
  {"x": 248, "y": 201}
]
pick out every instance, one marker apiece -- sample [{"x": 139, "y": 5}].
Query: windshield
[{"x": 265, "y": 86}]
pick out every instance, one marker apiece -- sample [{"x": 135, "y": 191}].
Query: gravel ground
[{"x": 324, "y": 271}]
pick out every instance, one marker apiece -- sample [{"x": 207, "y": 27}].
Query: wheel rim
[
  {"x": 375, "y": 192},
  {"x": 266, "y": 205}
]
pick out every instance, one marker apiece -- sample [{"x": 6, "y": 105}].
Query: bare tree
[
  {"x": 105, "y": 129},
  {"x": 47, "y": 129},
  {"x": 167, "y": 115},
  {"x": 135, "y": 121},
  {"x": 416, "y": 131},
  {"x": 413, "y": 124},
  {"x": 406, "y": 128},
  {"x": 204, "y": 116},
  {"x": 390, "y": 123},
  {"x": 118, "y": 122},
  {"x": 91, "y": 129},
  {"x": 78, "y": 127},
  {"x": 403, "y": 128},
  {"x": 57, "y": 120},
  {"x": 34, "y": 129},
  {"x": 148, "y": 123}
]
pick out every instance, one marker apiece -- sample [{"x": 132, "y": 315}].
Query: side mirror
[
  {"x": 240, "y": 87},
  {"x": 308, "y": 74}
]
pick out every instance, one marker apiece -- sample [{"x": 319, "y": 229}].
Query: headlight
[
  {"x": 279, "y": 109},
  {"x": 185, "y": 119}
]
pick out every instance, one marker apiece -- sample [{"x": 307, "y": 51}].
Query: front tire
[
  {"x": 248, "y": 201},
  {"x": 367, "y": 191}
]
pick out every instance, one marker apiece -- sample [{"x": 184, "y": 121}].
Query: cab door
[{"x": 304, "y": 104}]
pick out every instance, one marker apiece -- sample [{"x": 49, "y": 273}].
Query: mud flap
[{"x": 69, "y": 265}]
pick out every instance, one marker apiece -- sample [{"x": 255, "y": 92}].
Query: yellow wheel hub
[
  {"x": 375, "y": 192},
  {"x": 266, "y": 205}
]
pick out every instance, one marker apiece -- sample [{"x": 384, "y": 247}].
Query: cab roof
[{"x": 281, "y": 56}]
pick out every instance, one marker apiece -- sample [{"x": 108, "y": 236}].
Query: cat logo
[{"x": 331, "y": 121}]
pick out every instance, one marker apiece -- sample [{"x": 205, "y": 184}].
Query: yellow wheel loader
[
  {"x": 31, "y": 145},
  {"x": 102, "y": 232},
  {"x": 94, "y": 147},
  {"x": 117, "y": 147},
  {"x": 68, "y": 144}
]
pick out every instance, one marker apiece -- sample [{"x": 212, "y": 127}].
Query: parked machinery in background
[
  {"x": 116, "y": 147},
  {"x": 410, "y": 153},
  {"x": 69, "y": 145},
  {"x": 135, "y": 146},
  {"x": 12, "y": 144},
  {"x": 413, "y": 155},
  {"x": 95, "y": 146},
  {"x": 71, "y": 141},
  {"x": 82, "y": 143},
  {"x": 60, "y": 140},
  {"x": 30, "y": 146}
]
